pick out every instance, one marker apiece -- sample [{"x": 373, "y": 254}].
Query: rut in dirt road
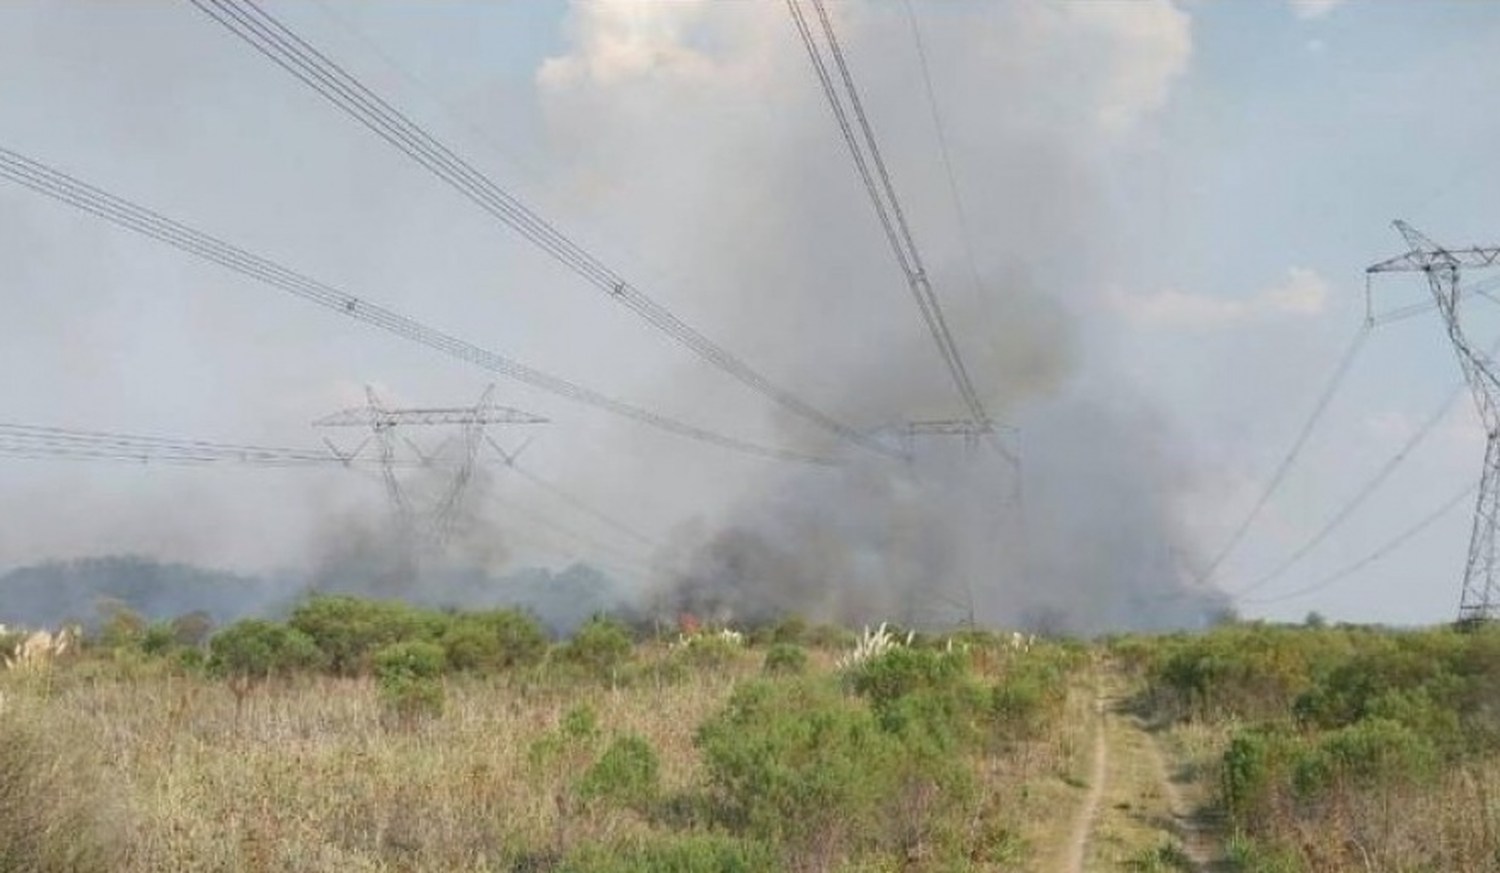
[
  {"x": 1133, "y": 811},
  {"x": 1078, "y": 842}
]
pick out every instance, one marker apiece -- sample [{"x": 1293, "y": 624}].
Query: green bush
[
  {"x": 562, "y": 754},
  {"x": 1027, "y": 702},
  {"x": 795, "y": 763},
  {"x": 253, "y": 650},
  {"x": 679, "y": 854},
  {"x": 600, "y": 647},
  {"x": 1370, "y": 754},
  {"x": 785, "y": 659},
  {"x": 903, "y": 671},
  {"x": 348, "y": 630},
  {"x": 627, "y": 775},
  {"x": 707, "y": 651},
  {"x": 1254, "y": 764},
  {"x": 410, "y": 676},
  {"x": 925, "y": 696},
  {"x": 502, "y": 639}
]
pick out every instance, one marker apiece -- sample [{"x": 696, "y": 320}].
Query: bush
[
  {"x": 502, "y": 639},
  {"x": 599, "y": 648},
  {"x": 1370, "y": 754},
  {"x": 410, "y": 676},
  {"x": 923, "y": 695},
  {"x": 685, "y": 854},
  {"x": 254, "y": 650},
  {"x": 707, "y": 651},
  {"x": 785, "y": 659},
  {"x": 627, "y": 775},
  {"x": 348, "y": 630},
  {"x": 799, "y": 765}
]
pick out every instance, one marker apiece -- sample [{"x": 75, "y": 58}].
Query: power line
[
  {"x": 576, "y": 502},
  {"x": 30, "y": 441},
  {"x": 1279, "y": 474},
  {"x": 1395, "y": 543},
  {"x": 965, "y": 234},
  {"x": 883, "y": 193},
  {"x": 1363, "y": 494},
  {"x": 60, "y": 186},
  {"x": 281, "y": 45}
]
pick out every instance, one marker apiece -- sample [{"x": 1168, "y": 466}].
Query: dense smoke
[
  {"x": 690, "y": 134},
  {"x": 1083, "y": 536}
]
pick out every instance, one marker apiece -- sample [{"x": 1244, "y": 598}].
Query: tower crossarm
[
  {"x": 1426, "y": 255},
  {"x": 366, "y": 416}
]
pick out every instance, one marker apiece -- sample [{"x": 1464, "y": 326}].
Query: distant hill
[
  {"x": 57, "y": 591},
  {"x": 48, "y": 594}
]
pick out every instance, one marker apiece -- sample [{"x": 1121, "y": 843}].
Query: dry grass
[{"x": 310, "y": 776}]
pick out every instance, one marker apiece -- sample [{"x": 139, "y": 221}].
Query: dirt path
[
  {"x": 1200, "y": 846},
  {"x": 1084, "y": 826},
  {"x": 1133, "y": 814}
]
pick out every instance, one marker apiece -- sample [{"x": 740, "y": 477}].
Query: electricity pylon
[
  {"x": 432, "y": 526},
  {"x": 1443, "y": 269},
  {"x": 973, "y": 432}
]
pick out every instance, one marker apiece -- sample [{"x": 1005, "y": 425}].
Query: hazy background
[{"x": 1169, "y": 207}]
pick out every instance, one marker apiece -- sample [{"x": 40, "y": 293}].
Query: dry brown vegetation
[{"x": 115, "y": 760}]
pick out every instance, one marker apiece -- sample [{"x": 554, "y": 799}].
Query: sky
[{"x": 1153, "y": 265}]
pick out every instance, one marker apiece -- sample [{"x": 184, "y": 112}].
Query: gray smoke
[{"x": 1041, "y": 101}]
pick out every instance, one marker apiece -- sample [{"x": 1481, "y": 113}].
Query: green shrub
[
  {"x": 254, "y": 650},
  {"x": 502, "y": 639},
  {"x": 627, "y": 775},
  {"x": 600, "y": 647},
  {"x": 410, "y": 676},
  {"x": 902, "y": 671},
  {"x": 1027, "y": 702},
  {"x": 561, "y": 754},
  {"x": 1369, "y": 754},
  {"x": 348, "y": 630},
  {"x": 785, "y": 659},
  {"x": 707, "y": 651},
  {"x": 678, "y": 854},
  {"x": 797, "y": 764},
  {"x": 1254, "y": 765},
  {"x": 923, "y": 695}
]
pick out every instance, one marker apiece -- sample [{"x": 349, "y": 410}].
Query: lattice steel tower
[
  {"x": 1444, "y": 268},
  {"x": 425, "y": 526}
]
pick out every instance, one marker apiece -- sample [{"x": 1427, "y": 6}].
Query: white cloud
[
  {"x": 1310, "y": 9},
  {"x": 1146, "y": 48},
  {"x": 1304, "y": 293}
]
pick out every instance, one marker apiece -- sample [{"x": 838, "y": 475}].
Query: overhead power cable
[
  {"x": 574, "y": 501},
  {"x": 966, "y": 237},
  {"x": 1363, "y": 494},
  {"x": 270, "y": 37},
  {"x": 868, "y": 162},
  {"x": 126, "y": 214},
  {"x": 1392, "y": 545},
  {"x": 32, "y": 441},
  {"x": 1279, "y": 474}
]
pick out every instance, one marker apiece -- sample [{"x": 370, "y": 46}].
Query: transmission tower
[
  {"x": 973, "y": 433},
  {"x": 432, "y": 524},
  {"x": 1444, "y": 268}
]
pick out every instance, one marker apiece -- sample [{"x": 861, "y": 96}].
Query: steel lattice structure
[
  {"x": 429, "y": 527},
  {"x": 1444, "y": 268}
]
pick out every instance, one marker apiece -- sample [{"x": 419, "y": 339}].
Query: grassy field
[
  {"x": 119, "y": 760},
  {"x": 359, "y": 736}
]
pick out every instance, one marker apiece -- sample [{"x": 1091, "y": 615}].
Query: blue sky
[{"x": 1170, "y": 208}]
